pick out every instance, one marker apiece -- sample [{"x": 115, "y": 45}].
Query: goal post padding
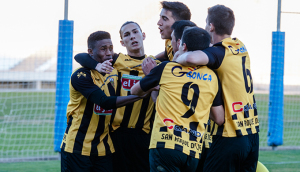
[
  {"x": 276, "y": 96},
  {"x": 64, "y": 71}
]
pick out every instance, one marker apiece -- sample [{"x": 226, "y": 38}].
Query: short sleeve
[
  {"x": 218, "y": 99},
  {"x": 215, "y": 55},
  {"x": 82, "y": 82}
]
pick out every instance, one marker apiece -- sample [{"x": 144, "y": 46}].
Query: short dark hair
[
  {"x": 195, "y": 38},
  {"x": 126, "y": 23},
  {"x": 179, "y": 10},
  {"x": 222, "y": 18},
  {"x": 179, "y": 26},
  {"x": 97, "y": 36}
]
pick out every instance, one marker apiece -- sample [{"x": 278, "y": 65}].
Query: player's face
[
  {"x": 174, "y": 43},
  {"x": 103, "y": 50},
  {"x": 164, "y": 23},
  {"x": 132, "y": 37}
]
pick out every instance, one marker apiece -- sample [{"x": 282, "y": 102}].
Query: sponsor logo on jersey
[
  {"x": 238, "y": 107},
  {"x": 79, "y": 74},
  {"x": 169, "y": 120},
  {"x": 177, "y": 71},
  {"x": 100, "y": 111},
  {"x": 112, "y": 81},
  {"x": 180, "y": 128},
  {"x": 129, "y": 80},
  {"x": 243, "y": 49}
]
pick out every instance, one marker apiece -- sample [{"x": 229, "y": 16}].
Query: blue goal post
[
  {"x": 64, "y": 71},
  {"x": 276, "y": 96}
]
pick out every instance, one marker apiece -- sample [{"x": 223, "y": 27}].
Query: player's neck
[
  {"x": 138, "y": 53},
  {"x": 218, "y": 38}
]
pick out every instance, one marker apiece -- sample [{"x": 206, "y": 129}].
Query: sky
[{"x": 31, "y": 27}]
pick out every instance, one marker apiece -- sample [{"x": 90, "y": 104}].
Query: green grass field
[
  {"x": 27, "y": 130},
  {"x": 275, "y": 161}
]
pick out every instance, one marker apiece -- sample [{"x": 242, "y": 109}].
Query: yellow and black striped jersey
[
  {"x": 169, "y": 49},
  {"x": 87, "y": 131},
  {"x": 207, "y": 135},
  {"x": 230, "y": 59},
  {"x": 137, "y": 114},
  {"x": 185, "y": 97}
]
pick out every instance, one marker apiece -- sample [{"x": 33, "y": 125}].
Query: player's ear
[
  {"x": 144, "y": 35},
  {"x": 90, "y": 52},
  {"x": 211, "y": 27},
  {"x": 122, "y": 43},
  {"x": 178, "y": 44},
  {"x": 184, "y": 47}
]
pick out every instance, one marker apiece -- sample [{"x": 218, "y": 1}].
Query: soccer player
[
  {"x": 177, "y": 31},
  {"x": 87, "y": 145},
  {"x": 185, "y": 98},
  {"x": 235, "y": 144},
  {"x": 171, "y": 12},
  {"x": 132, "y": 123}
]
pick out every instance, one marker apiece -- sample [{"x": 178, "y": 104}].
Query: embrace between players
[{"x": 189, "y": 108}]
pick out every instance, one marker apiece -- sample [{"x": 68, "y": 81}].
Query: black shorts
[
  {"x": 131, "y": 150},
  {"x": 72, "y": 162},
  {"x": 233, "y": 154},
  {"x": 202, "y": 158},
  {"x": 163, "y": 160}
]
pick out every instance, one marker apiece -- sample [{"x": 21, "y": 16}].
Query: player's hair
[
  {"x": 179, "y": 26},
  {"x": 126, "y": 23},
  {"x": 97, "y": 36},
  {"x": 195, "y": 38},
  {"x": 222, "y": 18},
  {"x": 179, "y": 10}
]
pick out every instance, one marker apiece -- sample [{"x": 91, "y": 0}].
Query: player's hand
[
  {"x": 104, "y": 67},
  {"x": 147, "y": 65}
]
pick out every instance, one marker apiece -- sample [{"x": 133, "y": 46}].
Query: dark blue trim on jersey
[
  {"x": 84, "y": 125},
  {"x": 160, "y": 145},
  {"x": 215, "y": 55},
  {"x": 128, "y": 107},
  {"x": 69, "y": 124},
  {"x": 118, "y": 90},
  {"x": 142, "y": 115},
  {"x": 99, "y": 132},
  {"x": 153, "y": 78},
  {"x": 107, "y": 148},
  {"x": 218, "y": 99},
  {"x": 82, "y": 81}
]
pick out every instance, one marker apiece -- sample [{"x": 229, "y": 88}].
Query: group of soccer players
[{"x": 192, "y": 105}]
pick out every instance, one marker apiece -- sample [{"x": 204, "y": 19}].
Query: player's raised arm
[
  {"x": 150, "y": 82},
  {"x": 193, "y": 58},
  {"x": 85, "y": 60}
]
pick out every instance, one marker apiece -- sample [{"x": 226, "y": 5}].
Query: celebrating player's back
[
  {"x": 183, "y": 105},
  {"x": 230, "y": 59}
]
